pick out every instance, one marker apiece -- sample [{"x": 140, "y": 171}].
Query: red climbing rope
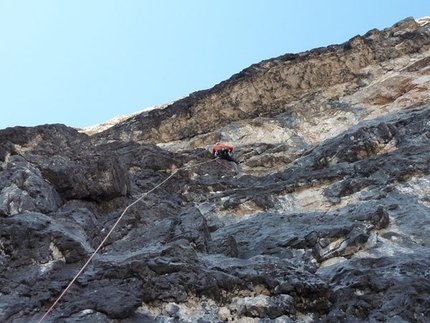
[{"x": 225, "y": 166}]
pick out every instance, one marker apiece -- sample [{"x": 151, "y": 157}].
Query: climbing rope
[
  {"x": 112, "y": 229},
  {"x": 225, "y": 166}
]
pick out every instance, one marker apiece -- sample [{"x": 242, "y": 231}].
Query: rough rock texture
[{"x": 326, "y": 219}]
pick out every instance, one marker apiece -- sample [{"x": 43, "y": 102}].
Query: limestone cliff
[{"x": 326, "y": 219}]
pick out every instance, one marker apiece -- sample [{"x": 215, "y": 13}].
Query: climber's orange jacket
[{"x": 220, "y": 146}]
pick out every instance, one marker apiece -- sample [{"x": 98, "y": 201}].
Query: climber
[{"x": 223, "y": 151}]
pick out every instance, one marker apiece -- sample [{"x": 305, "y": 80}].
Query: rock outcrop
[{"x": 326, "y": 219}]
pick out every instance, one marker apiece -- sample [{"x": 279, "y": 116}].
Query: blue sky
[{"x": 83, "y": 62}]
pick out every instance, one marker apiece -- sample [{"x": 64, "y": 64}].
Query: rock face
[{"x": 326, "y": 219}]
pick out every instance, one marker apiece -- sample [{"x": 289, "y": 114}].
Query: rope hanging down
[
  {"x": 110, "y": 232},
  {"x": 225, "y": 166}
]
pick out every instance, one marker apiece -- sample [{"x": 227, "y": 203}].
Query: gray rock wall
[{"x": 326, "y": 219}]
